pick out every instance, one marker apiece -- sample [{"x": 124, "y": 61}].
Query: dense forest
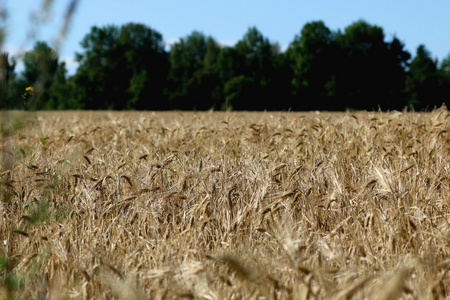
[{"x": 128, "y": 67}]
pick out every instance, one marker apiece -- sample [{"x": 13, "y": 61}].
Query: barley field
[{"x": 230, "y": 205}]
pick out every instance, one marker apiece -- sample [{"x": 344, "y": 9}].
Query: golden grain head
[{"x": 324, "y": 206}]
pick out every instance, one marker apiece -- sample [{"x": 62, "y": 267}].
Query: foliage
[
  {"x": 444, "y": 74},
  {"x": 7, "y": 75},
  {"x": 254, "y": 59},
  {"x": 121, "y": 68},
  {"x": 238, "y": 91},
  {"x": 193, "y": 77},
  {"x": 314, "y": 56},
  {"x": 423, "y": 84},
  {"x": 41, "y": 65},
  {"x": 128, "y": 67},
  {"x": 46, "y": 75},
  {"x": 371, "y": 72}
]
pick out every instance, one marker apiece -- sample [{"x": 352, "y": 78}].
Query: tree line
[{"x": 128, "y": 67}]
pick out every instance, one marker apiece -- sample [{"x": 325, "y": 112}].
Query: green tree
[
  {"x": 444, "y": 70},
  {"x": 7, "y": 81},
  {"x": 122, "y": 68},
  {"x": 445, "y": 66},
  {"x": 394, "y": 79},
  {"x": 423, "y": 81},
  {"x": 60, "y": 92},
  {"x": 370, "y": 71},
  {"x": 230, "y": 64},
  {"x": 147, "y": 61},
  {"x": 209, "y": 76},
  {"x": 194, "y": 78},
  {"x": 313, "y": 54},
  {"x": 40, "y": 66},
  {"x": 257, "y": 54},
  {"x": 97, "y": 80},
  {"x": 282, "y": 95},
  {"x": 238, "y": 90},
  {"x": 253, "y": 60}
]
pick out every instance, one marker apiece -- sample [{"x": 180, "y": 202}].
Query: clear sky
[{"x": 414, "y": 22}]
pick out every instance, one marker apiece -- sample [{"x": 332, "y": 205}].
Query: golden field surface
[{"x": 231, "y": 205}]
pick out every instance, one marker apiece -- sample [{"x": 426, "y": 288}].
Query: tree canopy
[
  {"x": 193, "y": 75},
  {"x": 121, "y": 68},
  {"x": 130, "y": 67}
]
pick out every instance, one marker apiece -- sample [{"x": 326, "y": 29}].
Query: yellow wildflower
[{"x": 29, "y": 89}]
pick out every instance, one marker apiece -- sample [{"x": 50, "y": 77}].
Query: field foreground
[{"x": 134, "y": 205}]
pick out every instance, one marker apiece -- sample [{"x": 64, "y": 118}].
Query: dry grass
[{"x": 104, "y": 205}]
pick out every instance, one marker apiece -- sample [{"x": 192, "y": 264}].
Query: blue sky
[{"x": 413, "y": 22}]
